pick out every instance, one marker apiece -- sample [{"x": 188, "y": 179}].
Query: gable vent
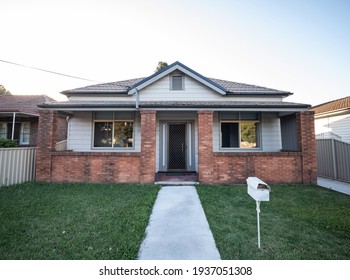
[{"x": 177, "y": 82}]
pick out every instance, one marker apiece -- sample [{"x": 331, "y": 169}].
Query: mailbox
[{"x": 258, "y": 189}]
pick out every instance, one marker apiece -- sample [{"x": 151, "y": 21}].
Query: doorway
[{"x": 177, "y": 147}]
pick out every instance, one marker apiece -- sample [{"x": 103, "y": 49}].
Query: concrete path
[
  {"x": 178, "y": 228},
  {"x": 334, "y": 185}
]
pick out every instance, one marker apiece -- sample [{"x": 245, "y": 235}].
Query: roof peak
[{"x": 130, "y": 86}]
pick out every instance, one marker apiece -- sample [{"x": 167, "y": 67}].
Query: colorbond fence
[
  {"x": 17, "y": 165},
  {"x": 333, "y": 159}
]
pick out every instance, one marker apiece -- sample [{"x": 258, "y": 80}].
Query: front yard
[
  {"x": 86, "y": 221},
  {"x": 299, "y": 222},
  {"x": 73, "y": 221}
]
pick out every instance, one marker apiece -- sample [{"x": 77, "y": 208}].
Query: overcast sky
[{"x": 302, "y": 46}]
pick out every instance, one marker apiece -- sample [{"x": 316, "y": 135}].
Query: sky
[{"x": 301, "y": 46}]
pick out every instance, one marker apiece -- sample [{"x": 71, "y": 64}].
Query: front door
[{"x": 177, "y": 147}]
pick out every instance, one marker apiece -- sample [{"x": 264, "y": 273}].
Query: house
[
  {"x": 178, "y": 120},
  {"x": 332, "y": 119},
  {"x": 19, "y": 115}
]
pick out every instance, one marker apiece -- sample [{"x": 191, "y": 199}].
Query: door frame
[{"x": 164, "y": 145}]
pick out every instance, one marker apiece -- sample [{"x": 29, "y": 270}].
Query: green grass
[
  {"x": 299, "y": 222},
  {"x": 73, "y": 221}
]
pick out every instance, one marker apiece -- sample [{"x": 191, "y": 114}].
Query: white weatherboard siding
[
  {"x": 339, "y": 125},
  {"x": 270, "y": 133},
  {"x": 80, "y": 134}
]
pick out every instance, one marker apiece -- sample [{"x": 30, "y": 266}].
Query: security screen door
[{"x": 177, "y": 147}]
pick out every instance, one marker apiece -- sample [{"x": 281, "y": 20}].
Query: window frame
[
  {"x": 258, "y": 135},
  {"x": 182, "y": 82},
  {"x": 113, "y": 120},
  {"x": 22, "y": 133},
  {"x": 3, "y": 126}
]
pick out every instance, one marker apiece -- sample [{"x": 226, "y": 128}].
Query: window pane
[
  {"x": 229, "y": 135},
  {"x": 248, "y": 135},
  {"x": 3, "y": 130},
  {"x": 25, "y": 133},
  {"x": 103, "y": 134},
  {"x": 123, "y": 134}
]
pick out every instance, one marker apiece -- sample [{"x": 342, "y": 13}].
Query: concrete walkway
[
  {"x": 334, "y": 185},
  {"x": 178, "y": 228}
]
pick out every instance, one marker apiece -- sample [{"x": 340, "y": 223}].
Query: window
[
  {"x": 21, "y": 132},
  {"x": 3, "y": 130},
  {"x": 113, "y": 133},
  {"x": 177, "y": 82},
  {"x": 241, "y": 131},
  {"x": 24, "y": 137}
]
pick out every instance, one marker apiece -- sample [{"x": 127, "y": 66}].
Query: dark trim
[{"x": 176, "y": 105}]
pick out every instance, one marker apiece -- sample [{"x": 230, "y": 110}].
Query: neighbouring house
[
  {"x": 178, "y": 120},
  {"x": 332, "y": 120},
  {"x": 19, "y": 115}
]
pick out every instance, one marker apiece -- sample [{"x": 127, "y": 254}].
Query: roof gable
[{"x": 177, "y": 66}]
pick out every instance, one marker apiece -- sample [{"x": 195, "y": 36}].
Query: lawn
[
  {"x": 73, "y": 221},
  {"x": 299, "y": 222}
]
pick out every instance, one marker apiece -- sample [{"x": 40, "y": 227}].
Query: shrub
[{"x": 6, "y": 143}]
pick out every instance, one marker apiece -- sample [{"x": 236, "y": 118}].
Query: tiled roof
[
  {"x": 332, "y": 106},
  {"x": 231, "y": 88},
  {"x": 22, "y": 103},
  {"x": 113, "y": 87},
  {"x": 240, "y": 88}
]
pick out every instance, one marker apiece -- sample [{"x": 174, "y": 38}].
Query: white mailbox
[{"x": 258, "y": 189}]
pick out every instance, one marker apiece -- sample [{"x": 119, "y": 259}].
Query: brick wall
[
  {"x": 205, "y": 147},
  {"x": 46, "y": 143},
  {"x": 307, "y": 145},
  {"x": 273, "y": 168},
  {"x": 95, "y": 167},
  {"x": 148, "y": 147}
]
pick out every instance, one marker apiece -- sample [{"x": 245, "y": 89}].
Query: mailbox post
[{"x": 259, "y": 191}]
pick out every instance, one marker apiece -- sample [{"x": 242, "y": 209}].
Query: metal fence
[
  {"x": 17, "y": 165},
  {"x": 333, "y": 159}
]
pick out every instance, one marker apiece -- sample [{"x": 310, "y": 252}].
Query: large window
[
  {"x": 113, "y": 133},
  {"x": 241, "y": 131},
  {"x": 21, "y": 132}
]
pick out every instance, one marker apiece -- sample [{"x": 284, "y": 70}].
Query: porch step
[{"x": 176, "y": 183}]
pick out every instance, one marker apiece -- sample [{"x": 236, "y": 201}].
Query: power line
[{"x": 48, "y": 71}]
